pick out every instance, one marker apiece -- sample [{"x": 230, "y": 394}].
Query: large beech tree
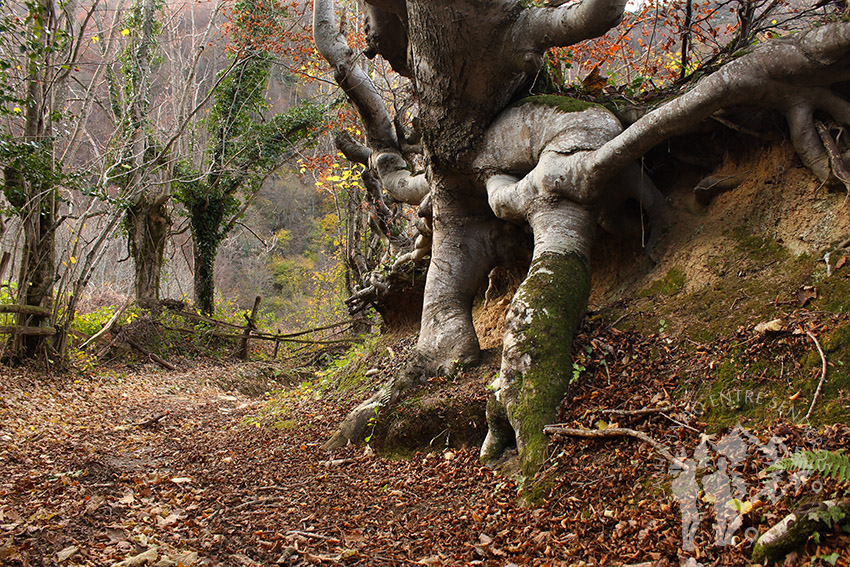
[{"x": 495, "y": 161}]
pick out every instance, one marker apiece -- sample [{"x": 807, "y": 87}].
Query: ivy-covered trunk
[
  {"x": 36, "y": 205},
  {"x": 207, "y": 219},
  {"x": 39, "y": 267},
  {"x": 148, "y": 224},
  {"x": 31, "y": 179}
]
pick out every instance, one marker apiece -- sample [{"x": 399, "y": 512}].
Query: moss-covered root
[
  {"x": 536, "y": 369},
  {"x": 793, "y": 532},
  {"x": 352, "y": 428}
]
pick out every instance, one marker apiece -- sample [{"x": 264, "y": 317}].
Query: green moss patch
[
  {"x": 672, "y": 283},
  {"x": 556, "y": 292},
  {"x": 561, "y": 103}
]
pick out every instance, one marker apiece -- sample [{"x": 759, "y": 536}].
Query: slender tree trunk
[
  {"x": 33, "y": 194},
  {"x": 38, "y": 265}
]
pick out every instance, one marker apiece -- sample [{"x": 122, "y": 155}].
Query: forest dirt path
[
  {"x": 99, "y": 470},
  {"x": 134, "y": 467}
]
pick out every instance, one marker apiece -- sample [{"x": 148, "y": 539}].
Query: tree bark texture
[
  {"x": 148, "y": 224},
  {"x": 494, "y": 161}
]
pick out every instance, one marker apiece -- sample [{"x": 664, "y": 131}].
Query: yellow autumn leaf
[{"x": 740, "y": 506}]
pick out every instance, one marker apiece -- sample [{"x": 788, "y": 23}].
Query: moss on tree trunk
[{"x": 553, "y": 300}]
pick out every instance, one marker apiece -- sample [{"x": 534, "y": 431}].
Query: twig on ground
[
  {"x": 822, "y": 374},
  {"x": 151, "y": 355},
  {"x": 620, "y": 318},
  {"x": 641, "y": 411},
  {"x": 270, "y": 500},
  {"x": 151, "y": 421},
  {"x": 312, "y": 535},
  {"x": 680, "y": 424},
  {"x": 660, "y": 448}
]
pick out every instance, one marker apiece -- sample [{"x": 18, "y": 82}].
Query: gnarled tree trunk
[
  {"x": 148, "y": 224},
  {"x": 551, "y": 163}
]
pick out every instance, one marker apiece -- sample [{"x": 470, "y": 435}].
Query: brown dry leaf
[
  {"x": 806, "y": 294},
  {"x": 128, "y": 498},
  {"x": 841, "y": 261},
  {"x": 94, "y": 503},
  {"x": 66, "y": 553},
  {"x": 144, "y": 558},
  {"x": 594, "y": 82},
  {"x": 774, "y": 326}
]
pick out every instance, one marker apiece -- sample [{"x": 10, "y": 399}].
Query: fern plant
[{"x": 833, "y": 465}]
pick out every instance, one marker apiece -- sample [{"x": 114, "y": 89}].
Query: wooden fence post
[{"x": 246, "y": 334}]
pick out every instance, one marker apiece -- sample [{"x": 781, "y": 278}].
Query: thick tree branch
[
  {"x": 567, "y": 25},
  {"x": 386, "y": 159},
  {"x": 535, "y": 150},
  {"x": 359, "y": 88},
  {"x": 788, "y": 74},
  {"x": 351, "y": 148},
  {"x": 401, "y": 184}
]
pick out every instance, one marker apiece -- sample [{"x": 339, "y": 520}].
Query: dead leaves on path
[{"x": 158, "y": 468}]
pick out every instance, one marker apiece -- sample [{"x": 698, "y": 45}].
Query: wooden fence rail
[
  {"x": 26, "y": 309},
  {"x": 23, "y": 330},
  {"x": 33, "y": 331},
  {"x": 246, "y": 332},
  {"x": 249, "y": 331}
]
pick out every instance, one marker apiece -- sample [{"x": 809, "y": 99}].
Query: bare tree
[
  {"x": 495, "y": 160},
  {"x": 45, "y": 38}
]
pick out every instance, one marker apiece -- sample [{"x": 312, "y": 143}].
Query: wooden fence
[
  {"x": 23, "y": 330},
  {"x": 249, "y": 331},
  {"x": 245, "y": 333}
]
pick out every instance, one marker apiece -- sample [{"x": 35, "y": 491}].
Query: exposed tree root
[
  {"x": 836, "y": 162},
  {"x": 822, "y": 374},
  {"x": 660, "y": 448},
  {"x": 353, "y": 426}
]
